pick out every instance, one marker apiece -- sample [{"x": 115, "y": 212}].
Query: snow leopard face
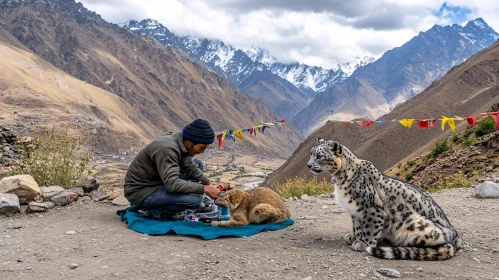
[{"x": 325, "y": 156}]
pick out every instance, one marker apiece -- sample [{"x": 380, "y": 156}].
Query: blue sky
[
  {"x": 315, "y": 32},
  {"x": 456, "y": 14}
]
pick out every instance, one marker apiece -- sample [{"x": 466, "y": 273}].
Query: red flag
[
  {"x": 282, "y": 122},
  {"x": 433, "y": 122},
  {"x": 368, "y": 123},
  {"x": 471, "y": 120},
  {"x": 252, "y": 130},
  {"x": 220, "y": 138},
  {"x": 423, "y": 124},
  {"x": 345, "y": 123},
  {"x": 359, "y": 123}
]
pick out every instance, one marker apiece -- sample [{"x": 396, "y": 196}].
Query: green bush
[
  {"x": 58, "y": 158},
  {"x": 450, "y": 182},
  {"x": 408, "y": 177},
  {"x": 485, "y": 126},
  {"x": 468, "y": 142},
  {"x": 299, "y": 186},
  {"x": 455, "y": 137},
  {"x": 467, "y": 133},
  {"x": 411, "y": 162}
]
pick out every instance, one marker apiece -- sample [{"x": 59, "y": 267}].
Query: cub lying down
[
  {"x": 258, "y": 206},
  {"x": 385, "y": 209}
]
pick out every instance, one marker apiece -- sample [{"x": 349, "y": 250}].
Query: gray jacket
[{"x": 159, "y": 164}]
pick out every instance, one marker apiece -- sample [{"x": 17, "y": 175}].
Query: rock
[
  {"x": 37, "y": 207},
  {"x": 121, "y": 201},
  {"x": 24, "y": 186},
  {"x": 388, "y": 272},
  {"x": 78, "y": 191},
  {"x": 89, "y": 184},
  {"x": 70, "y": 232},
  {"x": 97, "y": 195},
  {"x": 84, "y": 199},
  {"x": 304, "y": 197},
  {"x": 50, "y": 204},
  {"x": 486, "y": 189},
  {"x": 60, "y": 199},
  {"x": 113, "y": 194},
  {"x": 49, "y": 192},
  {"x": 73, "y": 266},
  {"x": 9, "y": 203}
]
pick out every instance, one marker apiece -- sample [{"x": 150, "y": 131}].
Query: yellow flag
[
  {"x": 238, "y": 134},
  {"x": 406, "y": 122},
  {"x": 450, "y": 121}
]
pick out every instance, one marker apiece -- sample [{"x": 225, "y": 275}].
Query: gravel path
[{"x": 99, "y": 246}]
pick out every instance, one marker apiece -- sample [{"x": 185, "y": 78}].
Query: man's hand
[{"x": 212, "y": 191}]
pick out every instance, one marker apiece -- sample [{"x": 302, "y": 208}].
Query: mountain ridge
[{"x": 401, "y": 73}]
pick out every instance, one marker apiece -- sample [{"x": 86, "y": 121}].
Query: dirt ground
[{"x": 44, "y": 246}]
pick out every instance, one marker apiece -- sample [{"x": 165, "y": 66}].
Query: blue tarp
[{"x": 142, "y": 224}]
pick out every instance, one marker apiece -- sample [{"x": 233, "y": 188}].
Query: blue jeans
[{"x": 162, "y": 204}]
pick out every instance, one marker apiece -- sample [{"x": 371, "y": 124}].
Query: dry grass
[
  {"x": 299, "y": 186},
  {"x": 453, "y": 181}
]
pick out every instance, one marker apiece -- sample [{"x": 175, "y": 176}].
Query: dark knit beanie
[{"x": 199, "y": 131}]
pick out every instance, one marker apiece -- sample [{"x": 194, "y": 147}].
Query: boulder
[
  {"x": 37, "y": 207},
  {"x": 89, "y": 183},
  {"x": 61, "y": 199},
  {"x": 98, "y": 195},
  {"x": 78, "y": 191},
  {"x": 486, "y": 189},
  {"x": 9, "y": 203},
  {"x": 49, "y": 192},
  {"x": 121, "y": 201},
  {"x": 24, "y": 186}
]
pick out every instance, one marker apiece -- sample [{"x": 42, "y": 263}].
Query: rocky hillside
[
  {"x": 467, "y": 89},
  {"x": 456, "y": 161},
  {"x": 163, "y": 87},
  {"x": 400, "y": 74}
]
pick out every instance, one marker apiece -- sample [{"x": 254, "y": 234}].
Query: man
[{"x": 165, "y": 179}]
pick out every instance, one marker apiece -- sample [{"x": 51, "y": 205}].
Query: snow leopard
[{"x": 385, "y": 210}]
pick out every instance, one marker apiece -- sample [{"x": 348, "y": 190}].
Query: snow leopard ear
[
  {"x": 335, "y": 147},
  {"x": 320, "y": 141}
]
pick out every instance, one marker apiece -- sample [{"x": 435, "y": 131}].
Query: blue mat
[{"x": 154, "y": 227}]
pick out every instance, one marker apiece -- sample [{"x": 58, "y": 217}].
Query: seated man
[{"x": 165, "y": 179}]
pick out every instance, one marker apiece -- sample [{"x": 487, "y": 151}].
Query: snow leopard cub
[{"x": 385, "y": 209}]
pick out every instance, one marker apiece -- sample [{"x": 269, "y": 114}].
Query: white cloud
[{"x": 321, "y": 32}]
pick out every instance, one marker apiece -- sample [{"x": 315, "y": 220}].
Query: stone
[
  {"x": 9, "y": 203},
  {"x": 37, "y": 207},
  {"x": 98, "y": 195},
  {"x": 84, "y": 199},
  {"x": 73, "y": 266},
  {"x": 24, "y": 186},
  {"x": 49, "y": 204},
  {"x": 49, "y": 192},
  {"x": 486, "y": 189},
  {"x": 389, "y": 272},
  {"x": 78, "y": 190},
  {"x": 89, "y": 184},
  {"x": 121, "y": 201},
  {"x": 60, "y": 199}
]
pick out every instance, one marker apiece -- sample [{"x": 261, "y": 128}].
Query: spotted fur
[{"x": 384, "y": 209}]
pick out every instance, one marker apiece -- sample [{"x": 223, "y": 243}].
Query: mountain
[
  {"x": 309, "y": 78},
  {"x": 467, "y": 89},
  {"x": 161, "y": 85},
  {"x": 34, "y": 92},
  {"x": 401, "y": 73},
  {"x": 284, "y": 88},
  {"x": 234, "y": 65}
]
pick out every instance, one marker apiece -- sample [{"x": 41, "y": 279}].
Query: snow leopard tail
[{"x": 437, "y": 253}]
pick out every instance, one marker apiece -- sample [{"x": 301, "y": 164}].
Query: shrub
[
  {"x": 408, "y": 177},
  {"x": 445, "y": 154},
  {"x": 411, "y": 162},
  {"x": 58, "y": 159},
  {"x": 468, "y": 142},
  {"x": 451, "y": 182},
  {"x": 455, "y": 137},
  {"x": 467, "y": 133},
  {"x": 299, "y": 186},
  {"x": 440, "y": 147},
  {"x": 485, "y": 126}
]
